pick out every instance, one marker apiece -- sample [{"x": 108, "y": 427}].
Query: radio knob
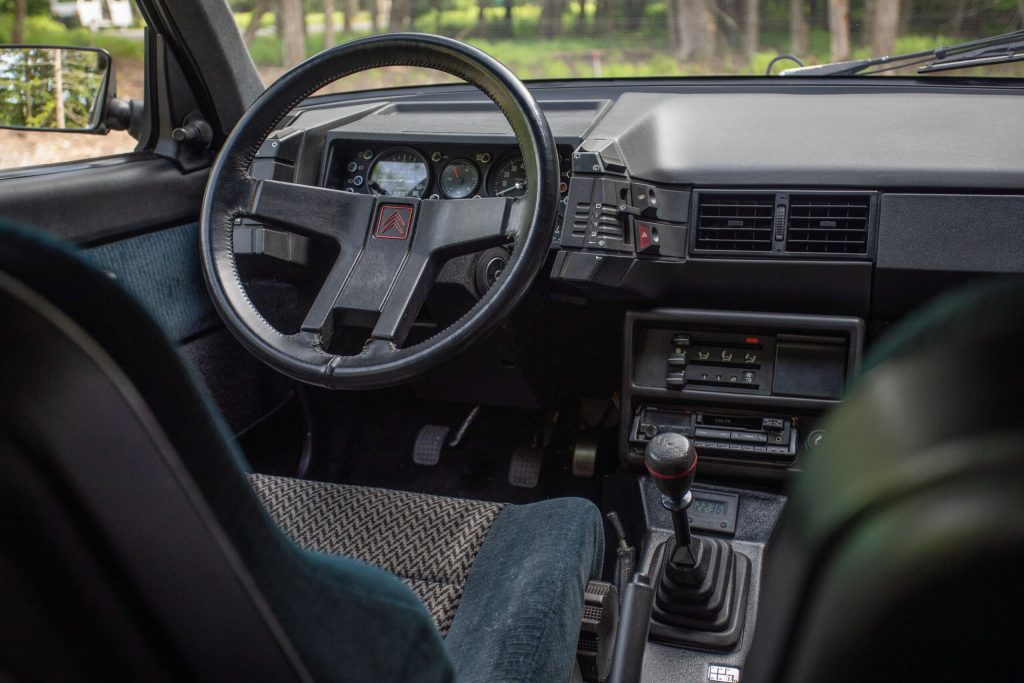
[
  {"x": 650, "y": 431},
  {"x": 675, "y": 380}
]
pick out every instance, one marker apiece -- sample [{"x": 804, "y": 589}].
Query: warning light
[{"x": 753, "y": 340}]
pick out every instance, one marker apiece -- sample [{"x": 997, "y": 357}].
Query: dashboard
[
  {"x": 847, "y": 197},
  {"x": 735, "y": 217},
  {"x": 441, "y": 171}
]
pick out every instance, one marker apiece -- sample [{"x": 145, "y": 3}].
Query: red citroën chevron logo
[{"x": 393, "y": 221}]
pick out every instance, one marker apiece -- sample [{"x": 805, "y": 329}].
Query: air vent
[
  {"x": 735, "y": 222},
  {"x": 828, "y": 224}
]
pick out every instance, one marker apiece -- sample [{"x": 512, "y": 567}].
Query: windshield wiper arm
[
  {"x": 1000, "y": 54},
  {"x": 935, "y": 57}
]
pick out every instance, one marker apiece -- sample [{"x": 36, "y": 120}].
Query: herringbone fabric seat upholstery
[{"x": 429, "y": 542}]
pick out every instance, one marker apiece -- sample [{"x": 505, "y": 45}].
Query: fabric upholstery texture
[
  {"x": 429, "y": 542},
  {"x": 504, "y": 582},
  {"x": 161, "y": 270}
]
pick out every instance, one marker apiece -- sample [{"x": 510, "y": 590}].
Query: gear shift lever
[
  {"x": 701, "y": 596},
  {"x": 672, "y": 463}
]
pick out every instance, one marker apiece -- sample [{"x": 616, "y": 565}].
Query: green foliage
[
  {"x": 45, "y": 88},
  {"x": 42, "y": 29}
]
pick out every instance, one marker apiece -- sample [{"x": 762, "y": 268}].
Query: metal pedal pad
[
  {"x": 524, "y": 470},
  {"x": 429, "y": 442}
]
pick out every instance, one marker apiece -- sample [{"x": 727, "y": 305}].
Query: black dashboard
[
  {"x": 835, "y": 206},
  {"x": 860, "y": 198}
]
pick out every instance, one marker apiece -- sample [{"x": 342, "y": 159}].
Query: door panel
[{"x": 103, "y": 200}]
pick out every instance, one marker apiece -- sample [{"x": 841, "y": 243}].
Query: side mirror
[{"x": 54, "y": 88}]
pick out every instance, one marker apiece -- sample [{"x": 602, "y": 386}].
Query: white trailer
[{"x": 93, "y": 14}]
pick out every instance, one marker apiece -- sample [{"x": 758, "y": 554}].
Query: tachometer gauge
[
  {"x": 459, "y": 179},
  {"x": 507, "y": 178},
  {"x": 399, "y": 173}
]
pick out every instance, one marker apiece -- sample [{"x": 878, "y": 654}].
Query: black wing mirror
[{"x": 70, "y": 89}]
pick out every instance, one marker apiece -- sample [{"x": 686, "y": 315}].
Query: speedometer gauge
[
  {"x": 399, "y": 173},
  {"x": 459, "y": 179},
  {"x": 507, "y": 178}
]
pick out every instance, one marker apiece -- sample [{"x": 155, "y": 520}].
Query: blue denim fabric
[
  {"x": 519, "y": 617},
  {"x": 162, "y": 271}
]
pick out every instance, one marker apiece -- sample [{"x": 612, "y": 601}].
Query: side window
[{"x": 112, "y": 25}]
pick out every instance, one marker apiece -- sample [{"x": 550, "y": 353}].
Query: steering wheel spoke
[
  {"x": 340, "y": 216},
  {"x": 321, "y": 311},
  {"x": 405, "y": 300},
  {"x": 452, "y": 227}
]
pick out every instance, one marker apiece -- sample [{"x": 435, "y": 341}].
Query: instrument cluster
[{"x": 444, "y": 171}]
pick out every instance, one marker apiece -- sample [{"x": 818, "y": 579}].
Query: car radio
[{"x": 720, "y": 435}]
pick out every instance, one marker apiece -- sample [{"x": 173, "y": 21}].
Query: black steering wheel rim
[{"x": 232, "y": 193}]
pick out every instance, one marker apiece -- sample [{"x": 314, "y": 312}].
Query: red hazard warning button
[{"x": 645, "y": 237}]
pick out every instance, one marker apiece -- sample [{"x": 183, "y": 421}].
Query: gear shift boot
[{"x": 701, "y": 599}]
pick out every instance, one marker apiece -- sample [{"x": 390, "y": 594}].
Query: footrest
[
  {"x": 429, "y": 442},
  {"x": 524, "y": 470}
]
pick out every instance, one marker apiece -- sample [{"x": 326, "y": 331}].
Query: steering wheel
[{"x": 389, "y": 248}]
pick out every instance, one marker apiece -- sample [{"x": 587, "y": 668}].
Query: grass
[{"x": 42, "y": 29}]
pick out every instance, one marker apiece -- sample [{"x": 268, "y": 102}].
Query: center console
[
  {"x": 746, "y": 388},
  {"x": 742, "y": 393}
]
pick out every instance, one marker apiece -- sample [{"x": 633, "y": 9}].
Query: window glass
[
  {"x": 556, "y": 39},
  {"x": 113, "y": 25}
]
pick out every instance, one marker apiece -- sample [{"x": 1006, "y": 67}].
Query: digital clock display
[{"x": 704, "y": 506}]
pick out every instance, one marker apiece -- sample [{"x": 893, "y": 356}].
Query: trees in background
[
  {"x": 18, "y": 29},
  {"x": 709, "y": 31},
  {"x": 751, "y": 27},
  {"x": 885, "y": 26},
  {"x": 329, "y": 38},
  {"x": 798, "y": 27},
  {"x": 292, "y": 23},
  {"x": 49, "y": 88},
  {"x": 696, "y": 29},
  {"x": 839, "y": 29},
  {"x": 255, "y": 17},
  {"x": 551, "y": 12}
]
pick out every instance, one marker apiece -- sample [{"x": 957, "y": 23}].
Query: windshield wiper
[
  {"x": 1006, "y": 47},
  {"x": 999, "y": 54}
]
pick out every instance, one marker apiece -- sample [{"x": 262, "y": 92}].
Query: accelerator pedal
[
  {"x": 524, "y": 470},
  {"x": 429, "y": 442}
]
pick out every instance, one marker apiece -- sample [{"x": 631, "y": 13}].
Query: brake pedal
[
  {"x": 429, "y": 442},
  {"x": 524, "y": 470}
]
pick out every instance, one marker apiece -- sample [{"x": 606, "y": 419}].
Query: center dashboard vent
[
  {"x": 828, "y": 224},
  {"x": 735, "y": 222}
]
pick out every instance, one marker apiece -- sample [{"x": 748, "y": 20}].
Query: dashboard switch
[{"x": 646, "y": 238}]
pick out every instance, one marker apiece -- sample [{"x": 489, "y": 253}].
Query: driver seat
[{"x": 135, "y": 542}]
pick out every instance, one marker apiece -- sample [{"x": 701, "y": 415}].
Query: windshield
[{"x": 559, "y": 39}]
